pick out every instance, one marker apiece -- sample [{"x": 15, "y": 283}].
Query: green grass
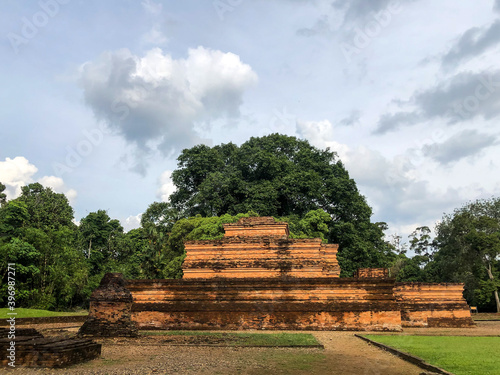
[
  {"x": 246, "y": 339},
  {"x": 34, "y": 313},
  {"x": 460, "y": 355}
]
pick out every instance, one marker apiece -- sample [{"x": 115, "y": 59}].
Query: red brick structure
[
  {"x": 432, "y": 305},
  {"x": 31, "y": 349},
  {"x": 376, "y": 273},
  {"x": 109, "y": 312},
  {"x": 256, "y": 277},
  {"x": 259, "y": 248},
  {"x": 265, "y": 303}
]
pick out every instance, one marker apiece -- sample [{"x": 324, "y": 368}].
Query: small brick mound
[
  {"x": 109, "y": 312},
  {"x": 33, "y": 350},
  {"x": 20, "y": 332}
]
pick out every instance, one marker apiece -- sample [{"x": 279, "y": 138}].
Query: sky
[{"x": 98, "y": 98}]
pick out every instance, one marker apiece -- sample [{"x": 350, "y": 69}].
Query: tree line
[{"x": 59, "y": 262}]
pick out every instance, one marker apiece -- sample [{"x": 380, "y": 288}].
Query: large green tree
[
  {"x": 278, "y": 175},
  {"x": 3, "y": 196},
  {"x": 97, "y": 231},
  {"x": 468, "y": 249},
  {"x": 46, "y": 209},
  {"x": 38, "y": 235}
]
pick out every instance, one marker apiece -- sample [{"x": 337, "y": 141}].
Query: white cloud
[
  {"x": 167, "y": 187},
  {"x": 321, "y": 134},
  {"x": 156, "y": 101},
  {"x": 152, "y": 8},
  {"x": 399, "y": 189},
  {"x": 57, "y": 184},
  {"x": 132, "y": 222},
  {"x": 155, "y": 36},
  {"x": 465, "y": 144},
  {"x": 18, "y": 172}
]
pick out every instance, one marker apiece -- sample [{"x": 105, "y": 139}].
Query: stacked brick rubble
[
  {"x": 33, "y": 350},
  {"x": 110, "y": 310}
]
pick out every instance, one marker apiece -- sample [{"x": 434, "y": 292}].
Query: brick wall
[
  {"x": 313, "y": 304},
  {"x": 257, "y": 227},
  {"x": 260, "y": 257},
  {"x": 433, "y": 305},
  {"x": 379, "y": 273}
]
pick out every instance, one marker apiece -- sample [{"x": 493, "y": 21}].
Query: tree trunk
[
  {"x": 492, "y": 278},
  {"x": 497, "y": 300}
]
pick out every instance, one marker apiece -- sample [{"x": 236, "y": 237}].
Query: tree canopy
[
  {"x": 38, "y": 235},
  {"x": 468, "y": 249},
  {"x": 3, "y": 196},
  {"x": 279, "y": 175}
]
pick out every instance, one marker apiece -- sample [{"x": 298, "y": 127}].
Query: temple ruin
[{"x": 257, "y": 277}]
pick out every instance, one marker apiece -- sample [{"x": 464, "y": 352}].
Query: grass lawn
[
  {"x": 243, "y": 339},
  {"x": 34, "y": 313},
  {"x": 460, "y": 355}
]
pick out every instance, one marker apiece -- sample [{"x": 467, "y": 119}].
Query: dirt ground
[{"x": 343, "y": 354}]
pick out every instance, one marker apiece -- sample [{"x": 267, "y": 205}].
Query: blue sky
[{"x": 99, "y": 98}]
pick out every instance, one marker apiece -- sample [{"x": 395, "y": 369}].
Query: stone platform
[
  {"x": 260, "y": 303},
  {"x": 33, "y": 350},
  {"x": 256, "y": 277}
]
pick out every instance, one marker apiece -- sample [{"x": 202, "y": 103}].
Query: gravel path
[{"x": 343, "y": 354}]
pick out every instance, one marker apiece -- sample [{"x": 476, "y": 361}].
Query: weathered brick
[
  {"x": 109, "y": 312},
  {"x": 256, "y": 277},
  {"x": 379, "y": 273},
  {"x": 259, "y": 247},
  {"x": 33, "y": 350},
  {"x": 433, "y": 305}
]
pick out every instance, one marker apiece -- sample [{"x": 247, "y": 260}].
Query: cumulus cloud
[
  {"x": 460, "y": 98},
  {"x": 464, "y": 144},
  {"x": 472, "y": 43},
  {"x": 155, "y": 101},
  {"x": 167, "y": 187},
  {"x": 132, "y": 222},
  {"x": 393, "y": 186},
  {"x": 496, "y": 6},
  {"x": 18, "y": 172},
  {"x": 321, "y": 134},
  {"x": 57, "y": 184}
]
